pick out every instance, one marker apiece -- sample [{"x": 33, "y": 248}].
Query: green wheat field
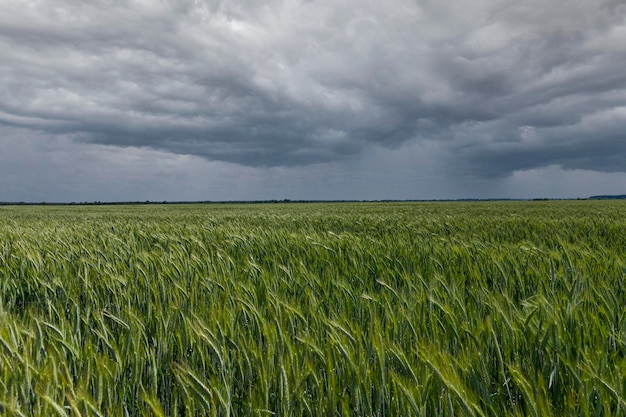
[{"x": 351, "y": 309}]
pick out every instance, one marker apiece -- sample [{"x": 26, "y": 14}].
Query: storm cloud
[{"x": 495, "y": 86}]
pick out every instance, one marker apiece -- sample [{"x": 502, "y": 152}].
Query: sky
[{"x": 169, "y": 100}]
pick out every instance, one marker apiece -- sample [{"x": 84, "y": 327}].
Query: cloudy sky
[{"x": 109, "y": 100}]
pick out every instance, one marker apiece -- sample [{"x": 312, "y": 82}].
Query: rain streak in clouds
[{"x": 490, "y": 88}]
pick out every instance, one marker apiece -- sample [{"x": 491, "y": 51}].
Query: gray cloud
[{"x": 497, "y": 86}]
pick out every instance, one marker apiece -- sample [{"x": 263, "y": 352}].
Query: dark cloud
[
  {"x": 595, "y": 143},
  {"x": 499, "y": 86}
]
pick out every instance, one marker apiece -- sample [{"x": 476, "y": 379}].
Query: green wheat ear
[{"x": 429, "y": 309}]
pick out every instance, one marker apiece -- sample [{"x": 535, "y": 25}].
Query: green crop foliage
[{"x": 377, "y": 309}]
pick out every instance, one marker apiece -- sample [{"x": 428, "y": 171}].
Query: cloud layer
[{"x": 496, "y": 86}]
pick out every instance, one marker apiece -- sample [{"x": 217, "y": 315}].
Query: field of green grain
[{"x": 379, "y": 309}]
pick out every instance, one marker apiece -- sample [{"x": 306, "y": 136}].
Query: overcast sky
[{"x": 109, "y": 100}]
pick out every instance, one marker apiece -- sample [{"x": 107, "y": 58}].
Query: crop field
[{"x": 372, "y": 309}]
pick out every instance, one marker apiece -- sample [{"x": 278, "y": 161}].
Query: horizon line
[{"x": 297, "y": 201}]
